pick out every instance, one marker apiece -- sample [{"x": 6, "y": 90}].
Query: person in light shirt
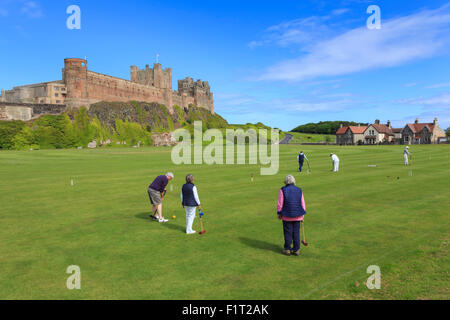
[
  {"x": 335, "y": 160},
  {"x": 406, "y": 155},
  {"x": 190, "y": 202}
]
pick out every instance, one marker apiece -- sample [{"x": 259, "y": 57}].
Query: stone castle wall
[
  {"x": 81, "y": 87},
  {"x": 28, "y": 111},
  {"x": 86, "y": 87}
]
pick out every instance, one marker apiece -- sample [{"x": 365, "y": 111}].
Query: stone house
[
  {"x": 379, "y": 133},
  {"x": 422, "y": 133},
  {"x": 350, "y": 135}
]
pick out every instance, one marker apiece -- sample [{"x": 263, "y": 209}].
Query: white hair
[
  {"x": 289, "y": 180},
  {"x": 170, "y": 174}
]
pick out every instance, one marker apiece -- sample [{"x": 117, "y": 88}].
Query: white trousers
[
  {"x": 405, "y": 156},
  {"x": 336, "y": 166},
  {"x": 190, "y": 216}
]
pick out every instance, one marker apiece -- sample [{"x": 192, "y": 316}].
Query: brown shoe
[
  {"x": 297, "y": 253},
  {"x": 287, "y": 252}
]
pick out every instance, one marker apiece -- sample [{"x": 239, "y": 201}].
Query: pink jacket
[{"x": 280, "y": 203}]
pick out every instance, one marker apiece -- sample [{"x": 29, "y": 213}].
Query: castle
[{"x": 82, "y": 87}]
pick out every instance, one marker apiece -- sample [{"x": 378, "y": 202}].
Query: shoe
[
  {"x": 287, "y": 252},
  {"x": 163, "y": 220},
  {"x": 296, "y": 253},
  {"x": 153, "y": 217},
  {"x": 192, "y": 232}
]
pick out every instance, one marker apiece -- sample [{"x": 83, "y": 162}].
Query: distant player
[
  {"x": 335, "y": 160},
  {"x": 301, "y": 158},
  {"x": 406, "y": 155}
]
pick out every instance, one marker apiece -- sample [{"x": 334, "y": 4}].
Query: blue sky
[{"x": 283, "y": 63}]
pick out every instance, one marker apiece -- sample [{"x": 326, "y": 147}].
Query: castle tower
[
  {"x": 75, "y": 78},
  {"x": 156, "y": 77}
]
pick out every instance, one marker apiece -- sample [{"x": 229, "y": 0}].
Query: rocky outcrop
[{"x": 163, "y": 139}]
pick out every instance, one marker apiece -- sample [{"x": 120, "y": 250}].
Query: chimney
[
  {"x": 377, "y": 121},
  {"x": 389, "y": 124},
  {"x": 417, "y": 121},
  {"x": 341, "y": 125},
  {"x": 435, "y": 122},
  {"x": 359, "y": 125}
]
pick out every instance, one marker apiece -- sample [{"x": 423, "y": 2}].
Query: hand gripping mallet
[
  {"x": 201, "y": 214},
  {"x": 303, "y": 231}
]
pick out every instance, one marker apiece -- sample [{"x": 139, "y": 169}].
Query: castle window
[
  {"x": 58, "y": 101},
  {"x": 56, "y": 88}
]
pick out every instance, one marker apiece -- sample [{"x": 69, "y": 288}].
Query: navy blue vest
[
  {"x": 292, "y": 205},
  {"x": 301, "y": 157},
  {"x": 188, "y": 195}
]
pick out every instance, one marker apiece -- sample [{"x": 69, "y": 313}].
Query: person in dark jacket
[
  {"x": 301, "y": 159},
  {"x": 190, "y": 202},
  {"x": 291, "y": 209},
  {"x": 156, "y": 193}
]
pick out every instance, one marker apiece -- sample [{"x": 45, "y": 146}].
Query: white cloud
[
  {"x": 412, "y": 84},
  {"x": 401, "y": 40},
  {"x": 439, "y": 85},
  {"x": 441, "y": 101},
  {"x": 302, "y": 32},
  {"x": 32, "y": 9}
]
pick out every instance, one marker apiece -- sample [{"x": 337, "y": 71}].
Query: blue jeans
[
  {"x": 301, "y": 166},
  {"x": 291, "y": 231}
]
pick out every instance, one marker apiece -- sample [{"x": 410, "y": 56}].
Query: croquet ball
[{"x": 173, "y": 217}]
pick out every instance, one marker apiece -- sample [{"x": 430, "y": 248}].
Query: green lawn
[
  {"x": 311, "y": 138},
  {"x": 358, "y": 217}
]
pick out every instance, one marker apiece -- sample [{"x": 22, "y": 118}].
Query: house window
[
  {"x": 58, "y": 101},
  {"x": 56, "y": 88},
  {"x": 56, "y": 94}
]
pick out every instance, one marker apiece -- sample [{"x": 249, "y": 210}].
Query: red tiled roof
[
  {"x": 382, "y": 128},
  {"x": 418, "y": 127},
  {"x": 342, "y": 130},
  {"x": 357, "y": 130},
  {"x": 397, "y": 130}
]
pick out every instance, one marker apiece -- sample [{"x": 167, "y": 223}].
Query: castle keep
[{"x": 82, "y": 87}]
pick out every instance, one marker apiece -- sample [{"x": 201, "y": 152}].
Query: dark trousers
[
  {"x": 291, "y": 234},
  {"x": 300, "y": 166}
]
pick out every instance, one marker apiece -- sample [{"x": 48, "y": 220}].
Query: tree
[{"x": 447, "y": 132}]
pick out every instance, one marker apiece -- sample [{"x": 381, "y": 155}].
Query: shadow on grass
[
  {"x": 262, "y": 245},
  {"x": 170, "y": 225},
  {"x": 144, "y": 216},
  {"x": 175, "y": 227}
]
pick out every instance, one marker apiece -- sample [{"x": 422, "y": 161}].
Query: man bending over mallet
[
  {"x": 335, "y": 160},
  {"x": 156, "y": 192}
]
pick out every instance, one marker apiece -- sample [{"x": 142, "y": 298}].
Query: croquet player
[
  {"x": 291, "y": 209},
  {"x": 156, "y": 192},
  {"x": 406, "y": 155},
  {"x": 301, "y": 158},
  {"x": 190, "y": 202},
  {"x": 335, "y": 160}
]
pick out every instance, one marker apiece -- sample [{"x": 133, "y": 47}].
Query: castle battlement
[{"x": 82, "y": 87}]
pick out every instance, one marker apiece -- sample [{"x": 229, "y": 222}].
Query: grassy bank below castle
[{"x": 391, "y": 216}]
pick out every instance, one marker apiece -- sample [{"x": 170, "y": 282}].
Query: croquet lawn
[{"x": 392, "y": 216}]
